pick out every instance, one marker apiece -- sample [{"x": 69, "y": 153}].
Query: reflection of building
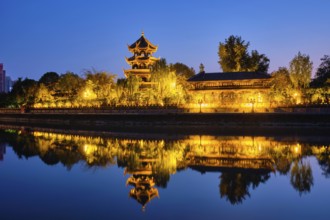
[
  {"x": 245, "y": 153},
  {"x": 142, "y": 59},
  {"x": 2, "y": 79},
  {"x": 242, "y": 161},
  {"x": 143, "y": 182},
  {"x": 2, "y": 150},
  {"x": 143, "y": 190},
  {"x": 232, "y": 89}
]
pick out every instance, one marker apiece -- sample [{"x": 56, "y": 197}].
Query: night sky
[{"x": 38, "y": 36}]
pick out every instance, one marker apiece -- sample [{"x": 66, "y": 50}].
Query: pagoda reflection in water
[{"x": 244, "y": 162}]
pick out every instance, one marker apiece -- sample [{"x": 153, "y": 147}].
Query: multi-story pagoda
[
  {"x": 142, "y": 59},
  {"x": 143, "y": 181}
]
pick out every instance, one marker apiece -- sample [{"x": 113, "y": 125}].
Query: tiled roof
[
  {"x": 142, "y": 42},
  {"x": 228, "y": 76}
]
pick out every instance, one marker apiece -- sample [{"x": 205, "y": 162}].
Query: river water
[{"x": 88, "y": 175}]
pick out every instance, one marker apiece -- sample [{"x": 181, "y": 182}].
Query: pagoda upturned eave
[
  {"x": 138, "y": 72},
  {"x": 145, "y": 49},
  {"x": 142, "y": 44},
  {"x": 137, "y": 60}
]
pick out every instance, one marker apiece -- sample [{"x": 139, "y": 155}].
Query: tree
[
  {"x": 103, "y": 82},
  {"x": 159, "y": 65},
  {"x": 323, "y": 73},
  {"x": 168, "y": 86},
  {"x": 49, "y": 79},
  {"x": 234, "y": 57},
  {"x": 68, "y": 85},
  {"x": 301, "y": 71},
  {"x": 281, "y": 86},
  {"x": 5, "y": 100},
  {"x": 301, "y": 177},
  {"x": 43, "y": 95},
  {"x": 182, "y": 70},
  {"x": 24, "y": 92},
  {"x": 259, "y": 62},
  {"x": 234, "y": 186}
]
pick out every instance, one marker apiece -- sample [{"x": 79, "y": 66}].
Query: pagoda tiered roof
[
  {"x": 142, "y": 44},
  {"x": 141, "y": 59}
]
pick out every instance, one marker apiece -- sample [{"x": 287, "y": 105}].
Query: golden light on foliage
[{"x": 89, "y": 94}]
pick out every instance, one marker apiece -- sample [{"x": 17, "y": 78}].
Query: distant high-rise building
[
  {"x": 8, "y": 84},
  {"x": 2, "y": 78}
]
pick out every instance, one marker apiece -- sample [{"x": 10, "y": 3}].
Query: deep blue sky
[{"x": 72, "y": 35}]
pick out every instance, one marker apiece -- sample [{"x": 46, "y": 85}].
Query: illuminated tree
[
  {"x": 164, "y": 82},
  {"x": 281, "y": 86},
  {"x": 68, "y": 86},
  {"x": 24, "y": 92},
  {"x": 301, "y": 71},
  {"x": 43, "y": 95},
  {"x": 127, "y": 91},
  {"x": 86, "y": 93},
  {"x": 103, "y": 83},
  {"x": 167, "y": 85},
  {"x": 234, "y": 57},
  {"x": 132, "y": 86}
]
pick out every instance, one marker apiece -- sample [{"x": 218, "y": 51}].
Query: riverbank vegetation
[{"x": 168, "y": 84}]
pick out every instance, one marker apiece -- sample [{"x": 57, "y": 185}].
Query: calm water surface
[{"x": 52, "y": 175}]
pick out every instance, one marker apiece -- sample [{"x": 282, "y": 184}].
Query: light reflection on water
[{"x": 162, "y": 177}]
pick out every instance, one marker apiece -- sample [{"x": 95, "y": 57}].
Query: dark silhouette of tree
[
  {"x": 182, "y": 70},
  {"x": 49, "y": 79},
  {"x": 301, "y": 177},
  {"x": 323, "y": 73},
  {"x": 259, "y": 61},
  {"x": 324, "y": 161},
  {"x": 24, "y": 145},
  {"x": 5, "y": 100},
  {"x": 234, "y": 186},
  {"x": 50, "y": 157}
]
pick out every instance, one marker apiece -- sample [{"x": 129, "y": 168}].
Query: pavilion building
[
  {"x": 142, "y": 60},
  {"x": 241, "y": 91}
]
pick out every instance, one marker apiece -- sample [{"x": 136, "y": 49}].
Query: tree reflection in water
[
  {"x": 322, "y": 154},
  {"x": 234, "y": 186},
  {"x": 301, "y": 176},
  {"x": 244, "y": 162}
]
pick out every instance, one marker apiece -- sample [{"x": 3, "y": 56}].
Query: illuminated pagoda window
[{"x": 142, "y": 60}]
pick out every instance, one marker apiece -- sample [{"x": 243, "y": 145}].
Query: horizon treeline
[{"x": 168, "y": 83}]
